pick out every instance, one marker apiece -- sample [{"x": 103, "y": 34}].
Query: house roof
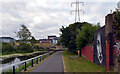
[
  {"x": 45, "y": 39},
  {"x": 6, "y": 38},
  {"x": 52, "y": 36}
]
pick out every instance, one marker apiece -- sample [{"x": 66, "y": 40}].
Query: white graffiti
[
  {"x": 117, "y": 48},
  {"x": 99, "y": 48}
]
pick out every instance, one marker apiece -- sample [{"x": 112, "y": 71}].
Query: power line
[{"x": 77, "y": 9}]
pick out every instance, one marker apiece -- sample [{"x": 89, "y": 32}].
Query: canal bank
[{"x": 10, "y": 59}]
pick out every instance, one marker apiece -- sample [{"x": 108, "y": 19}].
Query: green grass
[
  {"x": 9, "y": 53},
  {"x": 80, "y": 65},
  {"x": 21, "y": 52}
]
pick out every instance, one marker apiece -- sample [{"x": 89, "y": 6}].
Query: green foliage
[
  {"x": 117, "y": 23},
  {"x": 85, "y": 35},
  {"x": 25, "y": 47},
  {"x": 68, "y": 36},
  {"x": 36, "y": 47},
  {"x": 24, "y": 34},
  {"x": 33, "y": 40},
  {"x": 7, "y": 47}
]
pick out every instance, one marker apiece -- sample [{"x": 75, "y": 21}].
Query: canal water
[{"x": 14, "y": 60}]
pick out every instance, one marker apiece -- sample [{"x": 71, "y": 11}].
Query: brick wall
[
  {"x": 87, "y": 52},
  {"x": 109, "y": 21}
]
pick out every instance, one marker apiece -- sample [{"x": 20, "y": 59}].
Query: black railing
[{"x": 42, "y": 57}]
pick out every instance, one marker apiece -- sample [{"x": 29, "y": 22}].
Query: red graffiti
[{"x": 116, "y": 50}]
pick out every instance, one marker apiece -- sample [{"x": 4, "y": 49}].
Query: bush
[
  {"x": 42, "y": 48},
  {"x": 53, "y": 47},
  {"x": 36, "y": 47},
  {"x": 7, "y": 47},
  {"x": 25, "y": 47}
]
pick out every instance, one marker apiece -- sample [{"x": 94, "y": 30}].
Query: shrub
[
  {"x": 25, "y": 47},
  {"x": 53, "y": 47},
  {"x": 42, "y": 48},
  {"x": 7, "y": 47},
  {"x": 36, "y": 47}
]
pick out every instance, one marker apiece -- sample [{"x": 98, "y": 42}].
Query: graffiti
[
  {"x": 116, "y": 50},
  {"x": 99, "y": 52},
  {"x": 99, "y": 49}
]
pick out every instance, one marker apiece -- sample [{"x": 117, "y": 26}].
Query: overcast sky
[{"x": 45, "y": 17}]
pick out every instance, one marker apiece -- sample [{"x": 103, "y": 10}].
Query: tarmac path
[{"x": 53, "y": 63}]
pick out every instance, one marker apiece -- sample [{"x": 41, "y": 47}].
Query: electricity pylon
[{"x": 77, "y": 9}]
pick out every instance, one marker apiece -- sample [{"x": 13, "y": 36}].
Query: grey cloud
[{"x": 49, "y": 19}]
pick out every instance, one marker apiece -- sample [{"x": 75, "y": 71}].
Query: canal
[{"x": 16, "y": 59}]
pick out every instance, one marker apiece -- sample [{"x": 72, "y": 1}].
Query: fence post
[
  {"x": 37, "y": 61},
  {"x": 49, "y": 53},
  {"x": 40, "y": 58},
  {"x": 25, "y": 67},
  {"x": 13, "y": 69},
  {"x": 32, "y": 62},
  {"x": 43, "y": 57}
]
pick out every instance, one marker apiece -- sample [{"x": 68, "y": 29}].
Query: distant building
[
  {"x": 51, "y": 37},
  {"x": 45, "y": 41},
  {"x": 55, "y": 40},
  {"x": 6, "y": 40}
]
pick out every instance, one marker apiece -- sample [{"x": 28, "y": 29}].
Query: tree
[
  {"x": 24, "y": 34},
  {"x": 65, "y": 36},
  {"x": 117, "y": 24},
  {"x": 77, "y": 35},
  {"x": 85, "y": 36},
  {"x": 33, "y": 40},
  {"x": 68, "y": 36}
]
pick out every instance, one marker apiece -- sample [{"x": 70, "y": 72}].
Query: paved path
[{"x": 52, "y": 64}]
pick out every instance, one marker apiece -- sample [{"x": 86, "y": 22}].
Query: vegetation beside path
[{"x": 80, "y": 64}]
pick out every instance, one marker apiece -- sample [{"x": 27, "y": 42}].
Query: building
[
  {"x": 6, "y": 40},
  {"x": 51, "y": 37},
  {"x": 45, "y": 41},
  {"x": 55, "y": 40}
]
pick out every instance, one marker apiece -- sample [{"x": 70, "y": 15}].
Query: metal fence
[{"x": 41, "y": 57}]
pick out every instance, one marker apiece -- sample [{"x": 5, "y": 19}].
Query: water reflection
[{"x": 16, "y": 60}]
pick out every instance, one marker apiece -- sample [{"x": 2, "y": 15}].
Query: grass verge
[{"x": 80, "y": 64}]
